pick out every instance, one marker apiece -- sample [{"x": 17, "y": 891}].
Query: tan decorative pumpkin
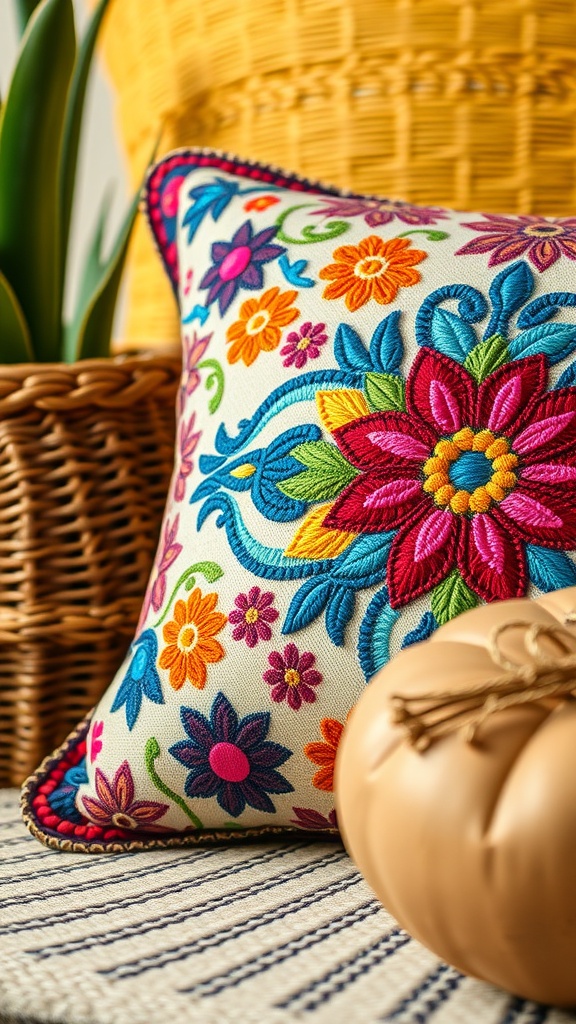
[{"x": 456, "y": 793}]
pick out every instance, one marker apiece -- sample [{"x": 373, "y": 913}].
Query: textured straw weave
[
  {"x": 463, "y": 103},
  {"x": 250, "y": 933},
  {"x": 86, "y": 452}
]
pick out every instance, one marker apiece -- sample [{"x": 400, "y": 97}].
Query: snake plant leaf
[
  {"x": 15, "y": 346},
  {"x": 90, "y": 277},
  {"x": 73, "y": 123},
  {"x": 24, "y": 11},
  {"x": 30, "y": 145}
]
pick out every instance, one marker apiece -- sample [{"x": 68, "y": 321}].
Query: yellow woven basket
[{"x": 467, "y": 103}]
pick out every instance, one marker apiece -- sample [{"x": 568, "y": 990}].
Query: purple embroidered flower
[
  {"x": 238, "y": 264},
  {"x": 188, "y": 440},
  {"x": 303, "y": 344},
  {"x": 308, "y": 818},
  {"x": 252, "y": 615},
  {"x": 380, "y": 211},
  {"x": 194, "y": 349},
  {"x": 541, "y": 239},
  {"x": 231, "y": 759},
  {"x": 95, "y": 740},
  {"x": 292, "y": 676},
  {"x": 116, "y": 805},
  {"x": 166, "y": 556}
]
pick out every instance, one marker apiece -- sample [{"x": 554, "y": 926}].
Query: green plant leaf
[
  {"x": 451, "y": 597},
  {"x": 24, "y": 11},
  {"x": 72, "y": 125},
  {"x": 327, "y": 474},
  {"x": 15, "y": 346},
  {"x": 486, "y": 357},
  {"x": 385, "y": 391},
  {"x": 30, "y": 147},
  {"x": 90, "y": 277}
]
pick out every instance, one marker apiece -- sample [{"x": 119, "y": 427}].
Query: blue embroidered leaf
[
  {"x": 294, "y": 272},
  {"x": 509, "y": 291},
  {"x": 349, "y": 349},
  {"x": 307, "y": 604},
  {"x": 543, "y": 308},
  {"x": 550, "y": 570},
  {"x": 205, "y": 488},
  {"x": 375, "y": 632},
  {"x": 213, "y": 197},
  {"x": 278, "y": 464},
  {"x": 486, "y": 357},
  {"x": 385, "y": 391},
  {"x": 338, "y": 614},
  {"x": 554, "y": 340},
  {"x": 386, "y": 346},
  {"x": 451, "y": 335},
  {"x": 423, "y": 631},
  {"x": 210, "y": 463},
  {"x": 567, "y": 379},
  {"x": 364, "y": 563}
]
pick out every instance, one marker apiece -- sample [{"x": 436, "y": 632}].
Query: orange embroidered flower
[
  {"x": 259, "y": 327},
  {"x": 190, "y": 640},
  {"x": 324, "y": 754},
  {"x": 373, "y": 269}
]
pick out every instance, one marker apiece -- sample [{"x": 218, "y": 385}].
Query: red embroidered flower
[
  {"x": 542, "y": 240},
  {"x": 467, "y": 476},
  {"x": 292, "y": 676},
  {"x": 252, "y": 615}
]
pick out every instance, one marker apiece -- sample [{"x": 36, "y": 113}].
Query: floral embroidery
[
  {"x": 231, "y": 759},
  {"x": 292, "y": 677},
  {"x": 170, "y": 195},
  {"x": 466, "y": 476},
  {"x": 373, "y": 269},
  {"x": 116, "y": 805},
  {"x": 141, "y": 678},
  {"x": 96, "y": 740},
  {"x": 188, "y": 441},
  {"x": 168, "y": 554},
  {"x": 260, "y": 203},
  {"x": 303, "y": 344},
  {"x": 252, "y": 616},
  {"x": 324, "y": 754},
  {"x": 190, "y": 640},
  {"x": 62, "y": 799},
  {"x": 193, "y": 351},
  {"x": 379, "y": 211},
  {"x": 259, "y": 327},
  {"x": 543, "y": 240},
  {"x": 308, "y": 818},
  {"x": 238, "y": 264}
]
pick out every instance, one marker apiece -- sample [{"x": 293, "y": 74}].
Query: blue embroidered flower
[
  {"x": 231, "y": 759},
  {"x": 63, "y": 799},
  {"x": 141, "y": 678},
  {"x": 238, "y": 264}
]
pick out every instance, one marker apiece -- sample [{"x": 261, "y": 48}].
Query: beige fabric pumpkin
[{"x": 471, "y": 845}]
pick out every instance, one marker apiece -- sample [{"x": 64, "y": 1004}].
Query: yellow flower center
[
  {"x": 251, "y": 615},
  {"x": 370, "y": 266},
  {"x": 123, "y": 821},
  {"x": 543, "y": 230},
  {"x": 303, "y": 343},
  {"x": 470, "y": 471},
  {"x": 291, "y": 677},
  {"x": 257, "y": 322},
  {"x": 188, "y": 637}
]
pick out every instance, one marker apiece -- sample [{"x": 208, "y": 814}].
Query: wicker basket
[
  {"x": 467, "y": 103},
  {"x": 86, "y": 453}
]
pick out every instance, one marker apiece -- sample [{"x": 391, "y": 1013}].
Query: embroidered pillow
[{"x": 377, "y": 431}]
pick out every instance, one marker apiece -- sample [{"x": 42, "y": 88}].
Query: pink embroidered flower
[
  {"x": 239, "y": 264},
  {"x": 466, "y": 476},
  {"x": 308, "y": 818},
  {"x": 95, "y": 740},
  {"x": 188, "y": 441},
  {"x": 380, "y": 211},
  {"x": 292, "y": 676},
  {"x": 543, "y": 240},
  {"x": 303, "y": 344},
  {"x": 194, "y": 349},
  {"x": 170, "y": 193},
  {"x": 252, "y": 616},
  {"x": 164, "y": 559},
  {"x": 116, "y": 805}
]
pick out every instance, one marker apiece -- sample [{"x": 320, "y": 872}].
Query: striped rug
[{"x": 265, "y": 933}]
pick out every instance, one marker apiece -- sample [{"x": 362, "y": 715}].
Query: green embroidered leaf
[
  {"x": 486, "y": 357},
  {"x": 327, "y": 474},
  {"x": 451, "y": 597},
  {"x": 385, "y": 391}
]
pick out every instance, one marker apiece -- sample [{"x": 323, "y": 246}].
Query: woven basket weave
[
  {"x": 86, "y": 453},
  {"x": 466, "y": 103}
]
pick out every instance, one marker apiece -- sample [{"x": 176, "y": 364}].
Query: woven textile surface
[
  {"x": 268, "y": 932},
  {"x": 466, "y": 103}
]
